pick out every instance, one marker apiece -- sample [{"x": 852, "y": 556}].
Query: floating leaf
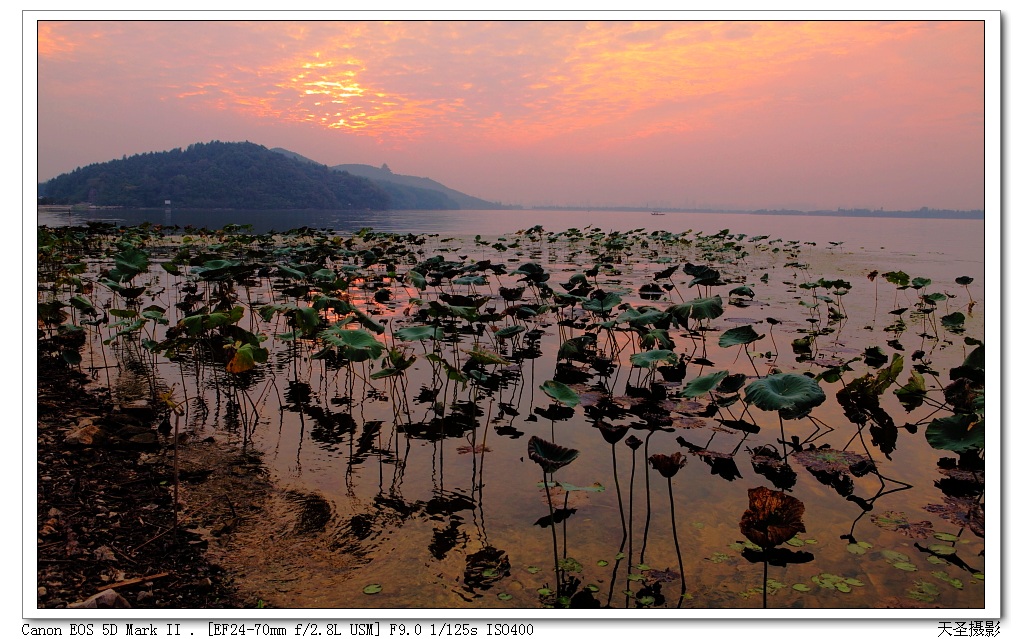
[
  {"x": 897, "y": 522},
  {"x": 372, "y": 589},
  {"x": 830, "y": 460}
]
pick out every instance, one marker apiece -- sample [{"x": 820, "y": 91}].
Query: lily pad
[{"x": 897, "y": 522}]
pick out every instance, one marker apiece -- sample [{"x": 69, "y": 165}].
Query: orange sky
[{"x": 731, "y": 114}]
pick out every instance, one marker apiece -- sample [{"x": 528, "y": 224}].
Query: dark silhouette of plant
[
  {"x": 668, "y": 466},
  {"x": 771, "y": 519},
  {"x": 550, "y": 457}
]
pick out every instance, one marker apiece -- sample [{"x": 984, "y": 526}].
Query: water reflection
[{"x": 411, "y": 382}]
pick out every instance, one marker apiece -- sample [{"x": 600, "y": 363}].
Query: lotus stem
[{"x": 674, "y": 534}]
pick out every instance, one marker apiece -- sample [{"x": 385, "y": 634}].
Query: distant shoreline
[
  {"x": 933, "y": 214},
  {"x": 925, "y": 213}
]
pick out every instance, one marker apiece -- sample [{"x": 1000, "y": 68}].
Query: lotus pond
[{"x": 582, "y": 418}]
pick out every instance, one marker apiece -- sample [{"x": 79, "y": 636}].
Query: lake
[{"x": 469, "y": 463}]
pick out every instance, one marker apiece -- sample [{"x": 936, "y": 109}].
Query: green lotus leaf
[
  {"x": 483, "y": 356},
  {"x": 700, "y": 308},
  {"x": 742, "y": 291},
  {"x": 129, "y": 263},
  {"x": 953, "y": 321},
  {"x": 367, "y": 321},
  {"x": 787, "y": 392},
  {"x": 418, "y": 333},
  {"x": 510, "y": 331},
  {"x": 965, "y": 280},
  {"x": 649, "y": 359},
  {"x": 246, "y": 358},
  {"x": 732, "y": 383},
  {"x": 83, "y": 304},
  {"x": 958, "y": 433},
  {"x": 353, "y": 343},
  {"x": 912, "y": 395},
  {"x": 898, "y": 278},
  {"x": 702, "y": 385},
  {"x": 739, "y": 335},
  {"x": 560, "y": 392},
  {"x": 602, "y": 305},
  {"x": 417, "y": 280}
]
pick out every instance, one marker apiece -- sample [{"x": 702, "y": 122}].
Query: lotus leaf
[
  {"x": 704, "y": 384},
  {"x": 699, "y": 309},
  {"x": 786, "y": 392},
  {"x": 830, "y": 460},
  {"x": 897, "y": 522},
  {"x": 354, "y": 344},
  {"x": 510, "y": 331},
  {"x": 560, "y": 393},
  {"x": 649, "y": 359},
  {"x": 550, "y": 456},
  {"x": 772, "y": 518},
  {"x": 957, "y": 433},
  {"x": 246, "y": 357},
  {"x": 418, "y": 333},
  {"x": 739, "y": 335}
]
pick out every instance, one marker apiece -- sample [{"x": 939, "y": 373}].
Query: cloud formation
[{"x": 731, "y": 113}]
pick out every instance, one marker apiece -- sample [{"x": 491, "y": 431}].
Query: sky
[{"x": 731, "y": 114}]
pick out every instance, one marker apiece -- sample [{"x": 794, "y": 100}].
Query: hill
[
  {"x": 383, "y": 176},
  {"x": 232, "y": 175},
  {"x": 240, "y": 175}
]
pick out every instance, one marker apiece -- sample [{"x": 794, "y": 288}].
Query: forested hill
[
  {"x": 232, "y": 175},
  {"x": 383, "y": 176}
]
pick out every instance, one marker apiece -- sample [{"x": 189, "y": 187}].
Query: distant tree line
[{"x": 233, "y": 175}]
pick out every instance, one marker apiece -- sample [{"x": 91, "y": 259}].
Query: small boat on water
[{"x": 656, "y": 213}]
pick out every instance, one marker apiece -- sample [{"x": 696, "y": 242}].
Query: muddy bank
[{"x": 105, "y": 520}]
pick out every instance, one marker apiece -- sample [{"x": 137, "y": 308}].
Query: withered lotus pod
[
  {"x": 668, "y": 465},
  {"x": 772, "y": 517},
  {"x": 633, "y": 442},
  {"x": 550, "y": 456}
]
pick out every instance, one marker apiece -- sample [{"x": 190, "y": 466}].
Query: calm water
[{"x": 462, "y": 521}]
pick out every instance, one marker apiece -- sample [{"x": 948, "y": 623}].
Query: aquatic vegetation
[{"x": 408, "y": 368}]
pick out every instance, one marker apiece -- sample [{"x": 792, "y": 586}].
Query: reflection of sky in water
[{"x": 501, "y": 513}]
